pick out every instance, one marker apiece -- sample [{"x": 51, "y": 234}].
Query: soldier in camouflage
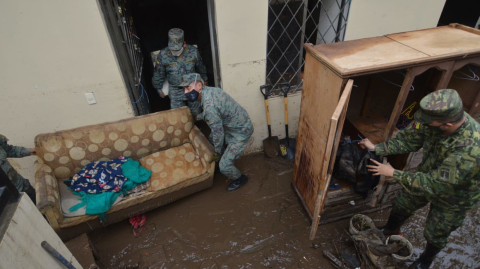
[
  {"x": 228, "y": 121},
  {"x": 8, "y": 151},
  {"x": 448, "y": 177},
  {"x": 172, "y": 63}
]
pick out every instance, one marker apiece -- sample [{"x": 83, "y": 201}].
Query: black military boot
[
  {"x": 426, "y": 259},
  {"x": 237, "y": 183},
  {"x": 394, "y": 222}
]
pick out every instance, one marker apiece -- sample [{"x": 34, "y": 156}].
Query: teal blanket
[{"x": 100, "y": 203}]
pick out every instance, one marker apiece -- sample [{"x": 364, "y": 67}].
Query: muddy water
[
  {"x": 463, "y": 248},
  {"x": 262, "y": 225}
]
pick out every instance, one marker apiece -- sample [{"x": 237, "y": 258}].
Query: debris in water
[{"x": 259, "y": 245}]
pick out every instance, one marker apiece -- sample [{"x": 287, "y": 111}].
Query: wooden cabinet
[{"x": 361, "y": 87}]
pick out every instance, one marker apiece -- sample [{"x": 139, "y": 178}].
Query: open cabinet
[{"x": 361, "y": 88}]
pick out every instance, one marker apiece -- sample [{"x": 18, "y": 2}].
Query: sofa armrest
[
  {"x": 48, "y": 196},
  {"x": 202, "y": 146}
]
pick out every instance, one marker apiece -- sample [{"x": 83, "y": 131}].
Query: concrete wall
[
  {"x": 369, "y": 18},
  {"x": 52, "y": 53},
  {"x": 242, "y": 38}
]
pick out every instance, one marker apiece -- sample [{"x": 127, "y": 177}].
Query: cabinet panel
[
  {"x": 386, "y": 89},
  {"x": 439, "y": 41},
  {"x": 320, "y": 97}
]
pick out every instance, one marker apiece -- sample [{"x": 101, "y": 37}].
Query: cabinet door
[{"x": 312, "y": 184}]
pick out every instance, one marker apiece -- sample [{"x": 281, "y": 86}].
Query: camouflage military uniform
[
  {"x": 8, "y": 151},
  {"x": 448, "y": 177},
  {"x": 173, "y": 68},
  {"x": 229, "y": 123}
]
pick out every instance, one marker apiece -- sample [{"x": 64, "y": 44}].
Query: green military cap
[
  {"x": 189, "y": 78},
  {"x": 175, "y": 39},
  {"x": 439, "y": 105},
  {"x": 3, "y": 139}
]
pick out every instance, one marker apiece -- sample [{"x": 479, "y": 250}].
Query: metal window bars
[
  {"x": 126, "y": 42},
  {"x": 291, "y": 23}
]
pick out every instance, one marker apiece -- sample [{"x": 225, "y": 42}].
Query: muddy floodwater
[{"x": 261, "y": 225}]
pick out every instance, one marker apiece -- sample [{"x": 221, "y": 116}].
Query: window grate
[{"x": 291, "y": 23}]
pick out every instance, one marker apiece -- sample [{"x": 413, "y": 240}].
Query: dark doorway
[
  {"x": 139, "y": 27},
  {"x": 153, "y": 19},
  {"x": 466, "y": 12}
]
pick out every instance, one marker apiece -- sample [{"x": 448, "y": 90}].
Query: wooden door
[{"x": 312, "y": 184}]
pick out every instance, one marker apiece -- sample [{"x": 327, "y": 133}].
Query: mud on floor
[{"x": 261, "y": 225}]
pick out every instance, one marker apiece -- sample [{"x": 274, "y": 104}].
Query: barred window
[{"x": 291, "y": 23}]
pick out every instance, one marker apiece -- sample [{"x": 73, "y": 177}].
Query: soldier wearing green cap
[
  {"x": 229, "y": 123},
  {"x": 8, "y": 151},
  {"x": 172, "y": 63},
  {"x": 448, "y": 177}
]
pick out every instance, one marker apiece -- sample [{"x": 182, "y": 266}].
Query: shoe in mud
[{"x": 237, "y": 183}]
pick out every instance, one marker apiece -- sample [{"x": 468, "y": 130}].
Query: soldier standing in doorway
[
  {"x": 448, "y": 177},
  {"x": 172, "y": 63},
  {"x": 229, "y": 123},
  {"x": 8, "y": 151}
]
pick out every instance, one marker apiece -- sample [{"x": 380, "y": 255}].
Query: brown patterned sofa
[{"x": 167, "y": 143}]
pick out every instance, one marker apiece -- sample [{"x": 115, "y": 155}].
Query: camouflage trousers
[
  {"x": 178, "y": 99},
  {"x": 231, "y": 154},
  {"x": 21, "y": 184},
  {"x": 440, "y": 221},
  {"x": 233, "y": 151}
]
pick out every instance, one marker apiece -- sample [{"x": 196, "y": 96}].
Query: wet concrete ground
[{"x": 261, "y": 225}]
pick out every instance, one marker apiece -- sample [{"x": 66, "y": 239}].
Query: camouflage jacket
[
  {"x": 8, "y": 151},
  {"x": 449, "y": 174},
  {"x": 226, "y": 118},
  {"x": 173, "y": 68}
]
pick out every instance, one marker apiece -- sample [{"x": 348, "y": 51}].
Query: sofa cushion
[
  {"x": 68, "y": 199},
  {"x": 172, "y": 166},
  {"x": 68, "y": 151}
]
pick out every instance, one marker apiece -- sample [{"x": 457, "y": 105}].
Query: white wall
[
  {"x": 369, "y": 18},
  {"x": 242, "y": 38},
  {"x": 51, "y": 53},
  {"x": 21, "y": 244},
  {"x": 242, "y": 41}
]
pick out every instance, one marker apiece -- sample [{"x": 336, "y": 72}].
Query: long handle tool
[
  {"x": 270, "y": 144},
  {"x": 287, "y": 144}
]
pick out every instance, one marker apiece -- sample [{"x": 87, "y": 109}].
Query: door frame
[
  {"x": 212, "y": 22},
  {"x": 123, "y": 58}
]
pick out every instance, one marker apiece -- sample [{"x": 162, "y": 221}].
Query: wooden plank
[
  {"x": 446, "y": 75},
  {"x": 440, "y": 41},
  {"x": 393, "y": 186},
  {"x": 393, "y": 52},
  {"x": 81, "y": 250},
  {"x": 363, "y": 54},
  {"x": 320, "y": 96},
  {"x": 301, "y": 200},
  {"x": 402, "y": 97},
  {"x": 372, "y": 127},
  {"x": 407, "y": 83},
  {"x": 335, "y": 130},
  {"x": 352, "y": 211},
  {"x": 465, "y": 28},
  {"x": 378, "y": 188}
]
